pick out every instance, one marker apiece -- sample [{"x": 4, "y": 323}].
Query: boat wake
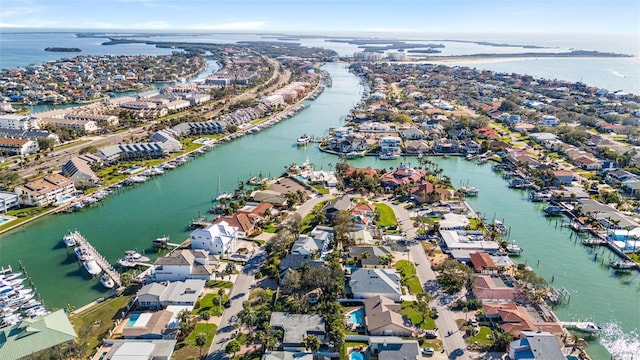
[
  {"x": 621, "y": 345},
  {"x": 619, "y": 74}
]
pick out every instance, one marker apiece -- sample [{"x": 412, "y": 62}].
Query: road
[
  {"x": 242, "y": 288},
  {"x": 451, "y": 338}
]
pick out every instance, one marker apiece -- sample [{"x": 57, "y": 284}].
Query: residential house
[
  {"x": 496, "y": 288},
  {"x": 134, "y": 349},
  {"x": 403, "y": 175},
  {"x": 411, "y": 134},
  {"x": 486, "y": 132},
  {"x": 371, "y": 256},
  {"x": 287, "y": 355},
  {"x": 332, "y": 208},
  {"x": 426, "y": 192},
  {"x": 241, "y": 221},
  {"x": 148, "y": 325},
  {"x": 549, "y": 120},
  {"x": 182, "y": 293},
  {"x": 307, "y": 245},
  {"x": 182, "y": 264},
  {"x": 218, "y": 239},
  {"x": 256, "y": 211},
  {"x": 29, "y": 336},
  {"x": 417, "y": 147},
  {"x": 383, "y": 317},
  {"x": 367, "y": 283},
  {"x": 631, "y": 187},
  {"x": 361, "y": 237},
  {"x": 272, "y": 197},
  {"x": 296, "y": 262},
  {"x": 296, "y": 327},
  {"x": 8, "y": 201},
  {"x": 446, "y": 146},
  {"x": 564, "y": 177},
  {"x": 390, "y": 144},
  {"x": 362, "y": 215},
  {"x": 394, "y": 348},
  {"x": 46, "y": 191},
  {"x": 522, "y": 127},
  {"x": 22, "y": 147},
  {"x": 587, "y": 163},
  {"x": 514, "y": 318},
  {"x": 536, "y": 345},
  {"x": 454, "y": 240},
  {"x": 482, "y": 263}
]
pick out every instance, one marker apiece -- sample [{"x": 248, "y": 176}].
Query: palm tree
[
  {"x": 201, "y": 341},
  {"x": 311, "y": 343}
]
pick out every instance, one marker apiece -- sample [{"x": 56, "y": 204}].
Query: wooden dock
[{"x": 102, "y": 262}]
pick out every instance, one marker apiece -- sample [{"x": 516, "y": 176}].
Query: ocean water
[{"x": 23, "y": 48}]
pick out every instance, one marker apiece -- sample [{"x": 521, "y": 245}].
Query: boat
[
  {"x": 107, "y": 281},
  {"x": 540, "y": 196},
  {"x": 161, "y": 241},
  {"x": 70, "y": 240},
  {"x": 553, "y": 210},
  {"x": 469, "y": 191},
  {"x": 593, "y": 242},
  {"x": 623, "y": 264},
  {"x": 499, "y": 227},
  {"x": 388, "y": 156},
  {"x": 92, "y": 267},
  {"x": 82, "y": 253},
  {"x": 514, "y": 249},
  {"x": 303, "y": 140},
  {"x": 135, "y": 257},
  {"x": 583, "y": 326}
]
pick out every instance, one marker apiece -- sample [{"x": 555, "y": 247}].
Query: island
[{"x": 62, "y": 49}]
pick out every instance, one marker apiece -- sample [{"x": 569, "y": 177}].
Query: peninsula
[{"x": 62, "y": 49}]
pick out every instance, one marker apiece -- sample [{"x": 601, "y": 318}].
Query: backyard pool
[
  {"x": 356, "y": 355},
  {"x": 132, "y": 320},
  {"x": 357, "y": 316}
]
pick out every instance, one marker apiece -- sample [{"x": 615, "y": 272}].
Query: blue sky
[{"x": 328, "y": 16}]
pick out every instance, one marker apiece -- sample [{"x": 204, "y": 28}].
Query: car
[
  {"x": 430, "y": 335},
  {"x": 227, "y": 304},
  {"x": 428, "y": 351}
]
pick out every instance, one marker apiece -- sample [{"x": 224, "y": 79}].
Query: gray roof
[
  {"x": 155, "y": 289},
  {"x": 537, "y": 345},
  {"x": 375, "y": 253},
  {"x": 297, "y": 326},
  {"x": 394, "y": 348},
  {"x": 183, "y": 291},
  {"x": 295, "y": 261},
  {"x": 286, "y": 355},
  {"x": 380, "y": 281},
  {"x": 129, "y": 349}
]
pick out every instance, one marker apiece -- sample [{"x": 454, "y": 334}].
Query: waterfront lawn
[
  {"x": 23, "y": 215},
  {"x": 416, "y": 317},
  {"x": 408, "y": 274},
  {"x": 187, "y": 349},
  {"x": 387, "y": 216},
  {"x": 94, "y": 323}
]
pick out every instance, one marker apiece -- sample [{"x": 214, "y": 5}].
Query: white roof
[{"x": 134, "y": 351}]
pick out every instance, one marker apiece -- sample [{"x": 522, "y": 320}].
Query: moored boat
[
  {"x": 107, "y": 281},
  {"x": 514, "y": 249},
  {"x": 623, "y": 264},
  {"x": 82, "y": 253},
  {"x": 70, "y": 240},
  {"x": 388, "y": 156},
  {"x": 553, "y": 210},
  {"x": 303, "y": 140},
  {"x": 92, "y": 267},
  {"x": 134, "y": 256}
]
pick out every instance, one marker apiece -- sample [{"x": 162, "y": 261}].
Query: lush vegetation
[
  {"x": 407, "y": 272},
  {"x": 386, "y": 215}
]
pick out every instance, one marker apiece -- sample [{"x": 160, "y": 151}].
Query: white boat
[
  {"x": 107, "y": 281},
  {"x": 92, "y": 267},
  {"x": 583, "y": 326},
  {"x": 70, "y": 240},
  {"x": 303, "y": 140},
  {"x": 134, "y": 256},
  {"x": 469, "y": 191},
  {"x": 499, "y": 227},
  {"x": 514, "y": 249},
  {"x": 82, "y": 253},
  {"x": 161, "y": 241},
  {"x": 13, "y": 283},
  {"x": 622, "y": 264},
  {"x": 125, "y": 263},
  {"x": 388, "y": 156},
  {"x": 224, "y": 195}
]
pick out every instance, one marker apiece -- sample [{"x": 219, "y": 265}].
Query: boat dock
[{"x": 102, "y": 262}]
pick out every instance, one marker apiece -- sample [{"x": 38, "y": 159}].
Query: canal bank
[{"x": 164, "y": 206}]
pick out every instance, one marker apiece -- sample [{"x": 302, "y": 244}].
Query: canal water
[{"x": 164, "y": 205}]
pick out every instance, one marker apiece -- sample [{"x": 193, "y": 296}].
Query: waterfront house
[
  {"x": 458, "y": 240},
  {"x": 182, "y": 264},
  {"x": 217, "y": 239},
  {"x": 272, "y": 197},
  {"x": 160, "y": 295},
  {"x": 241, "y": 221},
  {"x": 402, "y": 175},
  {"x": 256, "y": 211},
  {"x": 536, "y": 345},
  {"x": 133, "y": 349},
  {"x": 367, "y": 283},
  {"x": 563, "y": 177},
  {"x": 18, "y": 122},
  {"x": 168, "y": 138},
  {"x": 446, "y": 146},
  {"x": 29, "y": 336},
  {"x": 296, "y": 327},
  {"x": 8, "y": 201},
  {"x": 390, "y": 144},
  {"x": 496, "y": 288},
  {"x": 46, "y": 191},
  {"x": 113, "y": 153},
  {"x": 382, "y": 317},
  {"x": 482, "y": 263},
  {"x": 287, "y": 355},
  {"x": 148, "y": 325},
  {"x": 417, "y": 147},
  {"x": 515, "y": 318},
  {"x": 412, "y": 133}
]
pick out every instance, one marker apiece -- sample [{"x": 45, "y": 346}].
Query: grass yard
[
  {"x": 416, "y": 317},
  {"x": 93, "y": 324},
  {"x": 387, "y": 216},
  {"x": 219, "y": 284},
  {"x": 408, "y": 273},
  {"x": 482, "y": 337},
  {"x": 188, "y": 349},
  {"x": 207, "y": 304}
]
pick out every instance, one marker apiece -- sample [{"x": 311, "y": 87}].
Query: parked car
[
  {"x": 428, "y": 351},
  {"x": 227, "y": 304},
  {"x": 430, "y": 335}
]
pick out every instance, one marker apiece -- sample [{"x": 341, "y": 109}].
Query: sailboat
[{"x": 222, "y": 195}]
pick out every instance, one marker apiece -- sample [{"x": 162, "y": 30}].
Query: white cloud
[{"x": 231, "y": 26}]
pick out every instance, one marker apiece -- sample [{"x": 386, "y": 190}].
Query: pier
[{"x": 102, "y": 262}]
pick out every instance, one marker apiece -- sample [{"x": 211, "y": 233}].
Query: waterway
[{"x": 164, "y": 206}]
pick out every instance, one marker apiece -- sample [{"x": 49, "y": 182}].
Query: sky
[{"x": 328, "y": 16}]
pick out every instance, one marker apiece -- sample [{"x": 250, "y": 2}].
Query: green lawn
[
  {"x": 219, "y": 284},
  {"x": 271, "y": 229},
  {"x": 93, "y": 324},
  {"x": 407, "y": 271},
  {"x": 188, "y": 349},
  {"x": 387, "y": 216},
  {"x": 207, "y": 303},
  {"x": 416, "y": 317},
  {"x": 481, "y": 337},
  {"x": 320, "y": 189}
]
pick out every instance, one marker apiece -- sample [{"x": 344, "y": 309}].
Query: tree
[
  {"x": 206, "y": 315},
  {"x": 232, "y": 348},
  {"x": 184, "y": 315},
  {"x": 201, "y": 341},
  {"x": 311, "y": 343},
  {"x": 508, "y": 105}
]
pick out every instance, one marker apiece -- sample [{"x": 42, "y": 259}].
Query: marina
[{"x": 93, "y": 262}]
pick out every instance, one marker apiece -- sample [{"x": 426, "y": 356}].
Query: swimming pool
[
  {"x": 64, "y": 199},
  {"x": 357, "y": 316},
  {"x": 132, "y": 320},
  {"x": 356, "y": 355},
  {"x": 4, "y": 220},
  {"x": 133, "y": 169}
]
